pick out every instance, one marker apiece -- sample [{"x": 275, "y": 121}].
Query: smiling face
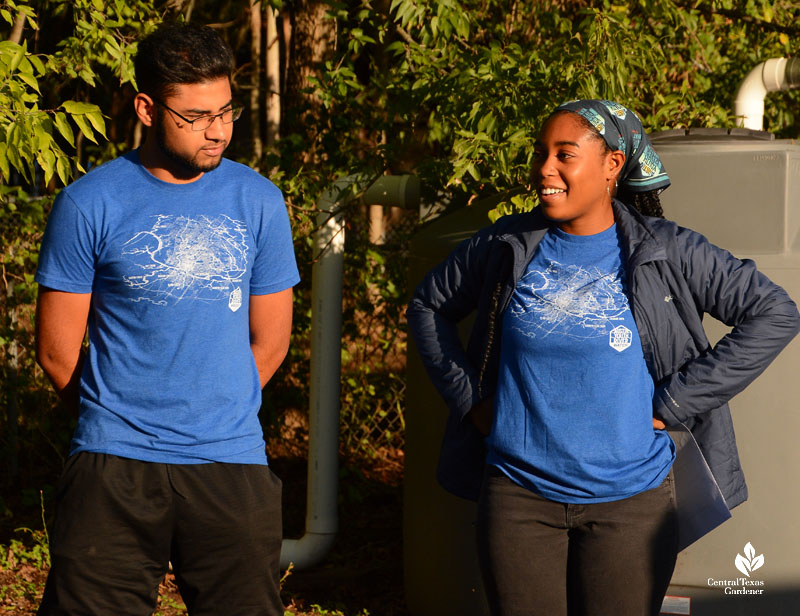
[
  {"x": 574, "y": 172},
  {"x": 173, "y": 151}
]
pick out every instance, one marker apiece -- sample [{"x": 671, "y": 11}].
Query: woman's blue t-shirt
[
  {"x": 573, "y": 407},
  {"x": 169, "y": 375}
]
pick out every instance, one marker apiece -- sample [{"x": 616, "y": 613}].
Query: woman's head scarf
[{"x": 622, "y": 130}]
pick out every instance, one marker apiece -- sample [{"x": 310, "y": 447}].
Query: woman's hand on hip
[{"x": 481, "y": 415}]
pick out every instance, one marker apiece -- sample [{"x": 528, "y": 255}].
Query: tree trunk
[
  {"x": 313, "y": 38},
  {"x": 255, "y": 79},
  {"x": 273, "y": 73}
]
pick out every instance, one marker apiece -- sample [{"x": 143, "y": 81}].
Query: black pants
[
  {"x": 119, "y": 522},
  {"x": 540, "y": 557}
]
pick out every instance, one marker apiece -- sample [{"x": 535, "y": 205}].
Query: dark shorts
[
  {"x": 540, "y": 557},
  {"x": 119, "y": 522}
]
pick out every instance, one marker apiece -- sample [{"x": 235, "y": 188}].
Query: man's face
[{"x": 191, "y": 151}]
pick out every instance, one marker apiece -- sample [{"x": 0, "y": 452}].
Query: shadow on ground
[{"x": 364, "y": 570}]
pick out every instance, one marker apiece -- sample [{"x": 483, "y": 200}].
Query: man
[{"x": 182, "y": 264}]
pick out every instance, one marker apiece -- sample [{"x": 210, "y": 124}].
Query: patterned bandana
[{"x": 622, "y": 130}]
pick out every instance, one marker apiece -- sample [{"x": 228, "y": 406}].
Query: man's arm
[
  {"x": 270, "y": 328},
  {"x": 60, "y": 326}
]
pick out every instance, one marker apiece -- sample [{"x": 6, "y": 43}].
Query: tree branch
[
  {"x": 16, "y": 31},
  {"x": 739, "y": 16}
]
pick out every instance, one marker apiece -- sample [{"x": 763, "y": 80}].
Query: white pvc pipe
[
  {"x": 769, "y": 76},
  {"x": 322, "y": 520},
  {"x": 326, "y": 334}
]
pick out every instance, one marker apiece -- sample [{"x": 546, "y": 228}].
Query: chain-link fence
[{"x": 373, "y": 375}]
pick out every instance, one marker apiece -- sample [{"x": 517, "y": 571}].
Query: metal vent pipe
[{"x": 769, "y": 76}]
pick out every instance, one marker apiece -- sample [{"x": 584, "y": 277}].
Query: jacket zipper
[{"x": 490, "y": 336}]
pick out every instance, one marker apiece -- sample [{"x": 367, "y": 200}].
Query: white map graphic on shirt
[
  {"x": 570, "y": 300},
  {"x": 181, "y": 258}
]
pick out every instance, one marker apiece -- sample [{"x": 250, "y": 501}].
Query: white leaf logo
[{"x": 749, "y": 562}]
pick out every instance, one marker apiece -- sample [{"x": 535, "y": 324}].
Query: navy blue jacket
[{"x": 674, "y": 276}]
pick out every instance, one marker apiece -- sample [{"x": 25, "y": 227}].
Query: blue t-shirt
[
  {"x": 574, "y": 403},
  {"x": 169, "y": 375}
]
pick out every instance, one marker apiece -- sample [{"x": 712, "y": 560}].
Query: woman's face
[{"x": 573, "y": 174}]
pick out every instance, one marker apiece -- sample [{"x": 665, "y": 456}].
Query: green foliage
[
  {"x": 20, "y": 556},
  {"x": 32, "y": 135},
  {"x": 460, "y": 88},
  {"x": 34, "y": 551},
  {"x": 105, "y": 35},
  {"x": 28, "y": 133},
  {"x": 168, "y": 605},
  {"x": 11, "y": 10}
]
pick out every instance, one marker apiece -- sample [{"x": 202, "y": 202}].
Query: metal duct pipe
[
  {"x": 322, "y": 519},
  {"x": 769, "y": 76}
]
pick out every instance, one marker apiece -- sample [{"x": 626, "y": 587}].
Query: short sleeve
[
  {"x": 66, "y": 259},
  {"x": 274, "y": 267}
]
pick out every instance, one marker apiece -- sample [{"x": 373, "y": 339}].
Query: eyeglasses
[{"x": 205, "y": 122}]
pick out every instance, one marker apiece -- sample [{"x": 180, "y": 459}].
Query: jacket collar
[
  {"x": 523, "y": 236},
  {"x": 523, "y": 232},
  {"x": 642, "y": 243}
]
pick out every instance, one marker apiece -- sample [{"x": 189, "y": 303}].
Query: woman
[{"x": 588, "y": 342}]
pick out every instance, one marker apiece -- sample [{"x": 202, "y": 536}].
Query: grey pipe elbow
[{"x": 307, "y": 551}]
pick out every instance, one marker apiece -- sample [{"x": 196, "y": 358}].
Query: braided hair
[{"x": 647, "y": 203}]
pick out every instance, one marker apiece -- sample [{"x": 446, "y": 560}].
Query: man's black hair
[{"x": 178, "y": 53}]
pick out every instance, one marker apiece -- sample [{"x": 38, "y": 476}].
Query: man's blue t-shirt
[
  {"x": 573, "y": 407},
  {"x": 169, "y": 375}
]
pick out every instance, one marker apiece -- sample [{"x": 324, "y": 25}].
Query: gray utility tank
[{"x": 741, "y": 188}]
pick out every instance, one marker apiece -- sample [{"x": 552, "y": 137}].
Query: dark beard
[{"x": 187, "y": 167}]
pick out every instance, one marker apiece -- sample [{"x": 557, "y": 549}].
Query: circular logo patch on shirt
[{"x": 620, "y": 338}]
